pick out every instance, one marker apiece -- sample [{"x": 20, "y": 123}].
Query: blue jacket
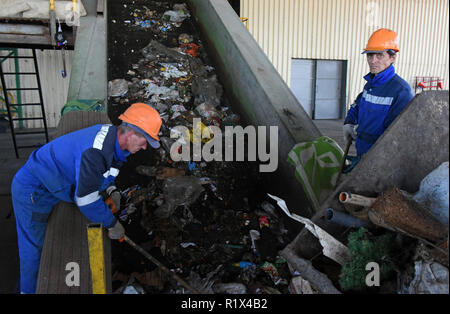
[
  {"x": 78, "y": 166},
  {"x": 383, "y": 98}
]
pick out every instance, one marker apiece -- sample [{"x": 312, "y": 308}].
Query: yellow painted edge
[{"x": 96, "y": 258}]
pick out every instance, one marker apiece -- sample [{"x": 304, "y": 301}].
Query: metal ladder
[{"x": 10, "y": 106}]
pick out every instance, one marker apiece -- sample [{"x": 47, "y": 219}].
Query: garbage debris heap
[
  {"x": 212, "y": 223},
  {"x": 208, "y": 222}
]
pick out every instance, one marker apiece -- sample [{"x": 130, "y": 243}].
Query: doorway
[{"x": 319, "y": 86}]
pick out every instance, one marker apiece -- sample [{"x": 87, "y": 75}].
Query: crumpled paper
[{"x": 332, "y": 248}]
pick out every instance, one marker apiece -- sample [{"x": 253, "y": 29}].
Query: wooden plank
[
  {"x": 66, "y": 242},
  {"x": 25, "y": 39},
  {"x": 28, "y": 41}
]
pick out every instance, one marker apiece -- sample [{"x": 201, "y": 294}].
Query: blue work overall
[{"x": 74, "y": 168}]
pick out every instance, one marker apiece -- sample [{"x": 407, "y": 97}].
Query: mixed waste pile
[
  {"x": 407, "y": 237},
  {"x": 212, "y": 222},
  {"x": 208, "y": 222}
]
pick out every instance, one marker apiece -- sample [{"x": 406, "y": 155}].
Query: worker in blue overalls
[
  {"x": 76, "y": 168},
  {"x": 384, "y": 96}
]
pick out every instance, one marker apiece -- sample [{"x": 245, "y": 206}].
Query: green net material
[
  {"x": 317, "y": 166},
  {"x": 83, "y": 105}
]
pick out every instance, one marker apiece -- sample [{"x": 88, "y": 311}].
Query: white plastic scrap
[
  {"x": 133, "y": 288},
  {"x": 177, "y": 16},
  {"x": 254, "y": 236},
  {"x": 117, "y": 87},
  {"x": 172, "y": 71},
  {"x": 299, "y": 285},
  {"x": 434, "y": 192},
  {"x": 229, "y": 288},
  {"x": 178, "y": 108},
  {"x": 430, "y": 278},
  {"x": 332, "y": 248},
  {"x": 187, "y": 244},
  {"x": 166, "y": 93}
]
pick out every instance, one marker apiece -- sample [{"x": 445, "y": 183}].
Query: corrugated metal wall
[
  {"x": 339, "y": 30},
  {"x": 54, "y": 86}
]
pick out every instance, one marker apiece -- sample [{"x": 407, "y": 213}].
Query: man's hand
[
  {"x": 349, "y": 131},
  {"x": 354, "y": 161},
  {"x": 117, "y": 232},
  {"x": 115, "y": 195}
]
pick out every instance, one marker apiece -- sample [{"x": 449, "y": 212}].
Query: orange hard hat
[
  {"x": 144, "y": 119},
  {"x": 382, "y": 40}
]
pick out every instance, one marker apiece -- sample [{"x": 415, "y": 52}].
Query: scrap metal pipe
[
  {"x": 344, "y": 219},
  {"x": 356, "y": 199}
]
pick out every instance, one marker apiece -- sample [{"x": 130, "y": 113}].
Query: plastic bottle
[{"x": 244, "y": 264}]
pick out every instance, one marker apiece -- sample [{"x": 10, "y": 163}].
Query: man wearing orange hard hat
[
  {"x": 77, "y": 167},
  {"x": 384, "y": 95}
]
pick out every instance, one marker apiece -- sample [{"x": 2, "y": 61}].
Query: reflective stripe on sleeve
[
  {"x": 378, "y": 100},
  {"x": 111, "y": 172},
  {"x": 100, "y": 137},
  {"x": 88, "y": 199}
]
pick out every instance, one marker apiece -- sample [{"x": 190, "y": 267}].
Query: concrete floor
[{"x": 9, "y": 165}]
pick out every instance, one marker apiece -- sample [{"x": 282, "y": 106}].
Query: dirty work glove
[
  {"x": 349, "y": 131},
  {"x": 115, "y": 195},
  {"x": 117, "y": 232},
  {"x": 354, "y": 160}
]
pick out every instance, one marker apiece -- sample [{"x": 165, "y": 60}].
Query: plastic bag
[
  {"x": 117, "y": 88},
  {"x": 179, "y": 191},
  {"x": 433, "y": 193},
  {"x": 430, "y": 278}
]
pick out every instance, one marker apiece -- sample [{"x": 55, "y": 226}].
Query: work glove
[
  {"x": 354, "y": 161},
  {"x": 115, "y": 195},
  {"x": 117, "y": 232},
  {"x": 349, "y": 131}
]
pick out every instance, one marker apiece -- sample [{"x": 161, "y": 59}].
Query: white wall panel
[{"x": 339, "y": 30}]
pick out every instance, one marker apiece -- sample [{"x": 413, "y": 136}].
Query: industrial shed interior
[{"x": 293, "y": 216}]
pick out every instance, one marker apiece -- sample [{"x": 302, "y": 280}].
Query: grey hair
[{"x": 124, "y": 129}]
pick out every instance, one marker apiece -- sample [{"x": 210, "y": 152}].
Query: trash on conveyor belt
[
  {"x": 212, "y": 223},
  {"x": 196, "y": 217}
]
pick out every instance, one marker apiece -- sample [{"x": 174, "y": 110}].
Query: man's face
[
  {"x": 378, "y": 62},
  {"x": 136, "y": 142}
]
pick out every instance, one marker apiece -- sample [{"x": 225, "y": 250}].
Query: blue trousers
[{"x": 32, "y": 204}]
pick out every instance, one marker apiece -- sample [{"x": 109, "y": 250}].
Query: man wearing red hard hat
[
  {"x": 76, "y": 168},
  {"x": 384, "y": 95}
]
